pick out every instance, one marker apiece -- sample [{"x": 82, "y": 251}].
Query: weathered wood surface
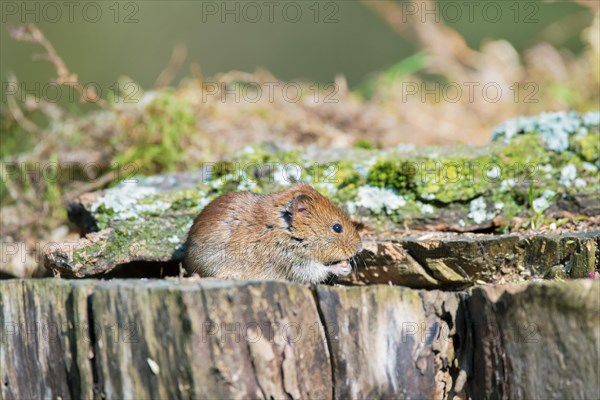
[
  {"x": 45, "y": 346},
  {"x": 214, "y": 339},
  {"x": 462, "y": 261},
  {"x": 536, "y": 341},
  {"x": 388, "y": 342}
]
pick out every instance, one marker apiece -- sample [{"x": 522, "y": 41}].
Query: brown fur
[{"x": 285, "y": 235}]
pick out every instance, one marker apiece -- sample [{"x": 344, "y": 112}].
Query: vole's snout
[{"x": 351, "y": 248}]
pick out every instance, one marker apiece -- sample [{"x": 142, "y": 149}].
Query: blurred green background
[{"x": 136, "y": 39}]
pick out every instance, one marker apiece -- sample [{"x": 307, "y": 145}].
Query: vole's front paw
[{"x": 341, "y": 268}]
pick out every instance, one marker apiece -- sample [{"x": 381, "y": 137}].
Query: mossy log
[
  {"x": 447, "y": 262},
  {"x": 146, "y": 219}
]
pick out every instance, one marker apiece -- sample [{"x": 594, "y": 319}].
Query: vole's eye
[{"x": 337, "y": 228}]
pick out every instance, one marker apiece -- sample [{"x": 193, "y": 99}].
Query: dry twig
[
  {"x": 168, "y": 74},
  {"x": 31, "y": 33}
]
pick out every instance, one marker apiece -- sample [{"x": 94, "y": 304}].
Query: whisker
[
  {"x": 355, "y": 266},
  {"x": 363, "y": 260},
  {"x": 330, "y": 280},
  {"x": 352, "y": 262}
]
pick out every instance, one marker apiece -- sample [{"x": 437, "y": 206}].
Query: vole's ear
[
  {"x": 301, "y": 205},
  {"x": 298, "y": 207}
]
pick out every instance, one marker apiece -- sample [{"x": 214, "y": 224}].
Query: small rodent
[{"x": 296, "y": 234}]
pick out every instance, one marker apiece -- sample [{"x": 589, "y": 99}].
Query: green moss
[
  {"x": 453, "y": 179},
  {"x": 364, "y": 143},
  {"x": 156, "y": 139},
  {"x": 345, "y": 194},
  {"x": 461, "y": 178},
  {"x": 151, "y": 238},
  {"x": 394, "y": 174},
  {"x": 87, "y": 254},
  {"x": 588, "y": 147},
  {"x": 262, "y": 155},
  {"x": 523, "y": 150},
  {"x": 508, "y": 204},
  {"x": 184, "y": 204},
  {"x": 339, "y": 173},
  {"x": 433, "y": 182},
  {"x": 222, "y": 168},
  {"x": 104, "y": 216}
]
